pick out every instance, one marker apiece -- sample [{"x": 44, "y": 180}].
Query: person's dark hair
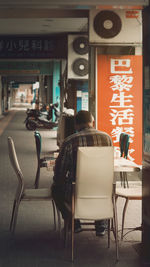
[{"x": 83, "y": 116}]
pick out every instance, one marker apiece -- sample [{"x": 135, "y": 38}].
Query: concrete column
[
  {"x": 5, "y": 96},
  {"x": 42, "y": 93},
  {"x": 92, "y": 81},
  {"x": 11, "y": 97},
  {"x": 56, "y": 80},
  {"x": 40, "y": 88},
  {"x": 0, "y": 96},
  {"x": 49, "y": 90},
  {"x": 62, "y": 83}
]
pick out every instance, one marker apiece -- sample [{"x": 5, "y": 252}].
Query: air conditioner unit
[
  {"x": 78, "y": 65},
  {"x": 115, "y": 27}
]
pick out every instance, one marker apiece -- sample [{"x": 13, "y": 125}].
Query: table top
[
  {"x": 124, "y": 165},
  {"x": 120, "y": 165}
]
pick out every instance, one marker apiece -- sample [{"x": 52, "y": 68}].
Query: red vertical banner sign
[{"x": 119, "y": 100}]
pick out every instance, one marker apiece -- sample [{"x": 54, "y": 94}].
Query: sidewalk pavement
[{"x": 3, "y": 115}]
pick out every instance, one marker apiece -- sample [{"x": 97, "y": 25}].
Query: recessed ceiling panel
[{"x": 42, "y": 26}]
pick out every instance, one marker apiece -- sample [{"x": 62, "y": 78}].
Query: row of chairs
[
  {"x": 86, "y": 197},
  {"x": 82, "y": 197}
]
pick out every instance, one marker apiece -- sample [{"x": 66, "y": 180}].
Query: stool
[{"x": 134, "y": 193}]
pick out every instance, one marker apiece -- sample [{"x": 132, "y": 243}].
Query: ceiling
[
  {"x": 40, "y": 17},
  {"x": 45, "y": 17},
  {"x": 42, "y": 26},
  {"x": 67, "y": 3}
]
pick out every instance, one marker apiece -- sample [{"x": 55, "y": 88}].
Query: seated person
[{"x": 65, "y": 167}]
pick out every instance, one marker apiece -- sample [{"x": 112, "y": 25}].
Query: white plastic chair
[
  {"x": 93, "y": 197},
  {"x": 134, "y": 193},
  {"x": 22, "y": 194}
]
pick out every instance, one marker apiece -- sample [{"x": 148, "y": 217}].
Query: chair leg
[
  {"x": 126, "y": 180},
  {"x": 116, "y": 238},
  {"x": 72, "y": 222},
  {"x": 54, "y": 212},
  {"x": 72, "y": 239},
  {"x": 14, "y": 219},
  {"x": 121, "y": 178},
  {"x": 12, "y": 216},
  {"x": 116, "y": 229},
  {"x": 108, "y": 222},
  {"x": 59, "y": 220},
  {"x": 112, "y": 227},
  {"x": 66, "y": 233},
  {"x": 36, "y": 184},
  {"x": 123, "y": 216}
]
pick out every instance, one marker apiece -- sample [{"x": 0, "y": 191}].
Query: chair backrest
[
  {"x": 124, "y": 144},
  {"x": 15, "y": 164},
  {"x": 38, "y": 141},
  {"x": 66, "y": 127},
  {"x": 94, "y": 182}
]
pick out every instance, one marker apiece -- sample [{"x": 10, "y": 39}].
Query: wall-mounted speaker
[
  {"x": 78, "y": 65},
  {"x": 115, "y": 27}
]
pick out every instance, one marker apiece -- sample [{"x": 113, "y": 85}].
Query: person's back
[
  {"x": 65, "y": 166},
  {"x": 68, "y": 152}
]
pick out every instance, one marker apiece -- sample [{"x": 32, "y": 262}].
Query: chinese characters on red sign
[{"x": 119, "y": 100}]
